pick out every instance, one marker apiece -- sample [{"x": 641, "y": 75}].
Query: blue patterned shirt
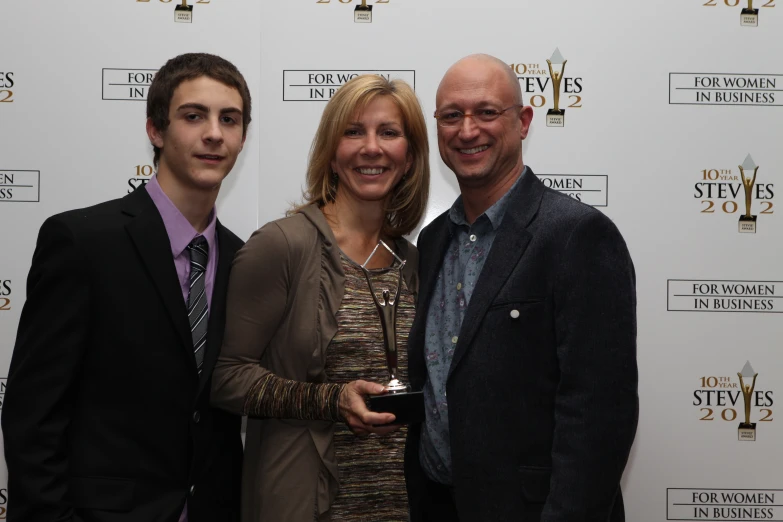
[{"x": 470, "y": 245}]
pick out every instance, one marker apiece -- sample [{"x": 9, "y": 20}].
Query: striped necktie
[{"x": 197, "y": 297}]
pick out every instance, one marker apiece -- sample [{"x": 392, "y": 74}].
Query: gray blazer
[{"x": 543, "y": 406}]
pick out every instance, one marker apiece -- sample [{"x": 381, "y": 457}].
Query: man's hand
[{"x": 359, "y": 419}]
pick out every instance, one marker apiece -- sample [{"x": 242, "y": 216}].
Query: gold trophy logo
[
  {"x": 747, "y": 223},
  {"x": 363, "y": 13},
  {"x": 556, "y": 117},
  {"x": 749, "y": 16},
  {"x": 183, "y": 13},
  {"x": 747, "y": 429}
]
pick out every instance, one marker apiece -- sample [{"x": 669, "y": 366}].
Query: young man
[
  {"x": 525, "y": 333},
  {"x": 106, "y": 415}
]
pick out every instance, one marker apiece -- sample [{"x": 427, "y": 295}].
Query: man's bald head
[
  {"x": 484, "y": 146},
  {"x": 483, "y": 64}
]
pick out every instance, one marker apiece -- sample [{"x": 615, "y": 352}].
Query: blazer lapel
[
  {"x": 149, "y": 236},
  {"x": 217, "y": 313},
  {"x": 430, "y": 260},
  {"x": 510, "y": 244}
]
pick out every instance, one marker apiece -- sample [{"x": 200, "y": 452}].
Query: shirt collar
[
  {"x": 494, "y": 213},
  {"x": 178, "y": 228}
]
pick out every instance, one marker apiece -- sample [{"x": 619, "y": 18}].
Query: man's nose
[
  {"x": 213, "y": 132},
  {"x": 468, "y": 129}
]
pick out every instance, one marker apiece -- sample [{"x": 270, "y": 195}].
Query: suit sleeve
[
  {"x": 49, "y": 348},
  {"x": 596, "y": 406},
  {"x": 257, "y": 302}
]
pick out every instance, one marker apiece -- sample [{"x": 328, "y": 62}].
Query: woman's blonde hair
[{"x": 406, "y": 207}]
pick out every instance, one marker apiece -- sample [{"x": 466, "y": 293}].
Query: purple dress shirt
[{"x": 181, "y": 233}]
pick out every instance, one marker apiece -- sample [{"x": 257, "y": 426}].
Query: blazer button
[
  {"x": 514, "y": 314},
  {"x": 192, "y": 489},
  {"x": 196, "y": 416}
]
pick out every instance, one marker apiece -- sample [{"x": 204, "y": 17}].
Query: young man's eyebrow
[
  {"x": 204, "y": 108},
  {"x": 196, "y": 106}
]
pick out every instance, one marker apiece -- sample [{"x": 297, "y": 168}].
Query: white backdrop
[{"x": 646, "y": 136}]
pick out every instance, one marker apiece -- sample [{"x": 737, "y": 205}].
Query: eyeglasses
[{"x": 453, "y": 118}]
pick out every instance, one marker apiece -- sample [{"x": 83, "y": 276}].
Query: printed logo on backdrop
[
  {"x": 548, "y": 86},
  {"x": 5, "y": 295},
  {"x": 760, "y": 90},
  {"x": 183, "y": 13},
  {"x": 740, "y": 400},
  {"x": 748, "y": 16},
  {"x": 142, "y": 175},
  {"x": 126, "y": 84},
  {"x": 732, "y": 192},
  {"x": 6, "y": 84},
  {"x": 362, "y": 13},
  {"x": 592, "y": 189},
  {"x": 320, "y": 85},
  {"x": 20, "y": 186},
  {"x": 724, "y": 504},
  {"x": 760, "y": 297}
]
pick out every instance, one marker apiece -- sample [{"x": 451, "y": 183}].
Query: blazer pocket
[
  {"x": 516, "y": 314},
  {"x": 535, "y": 483},
  {"x": 510, "y": 303},
  {"x": 107, "y": 493}
]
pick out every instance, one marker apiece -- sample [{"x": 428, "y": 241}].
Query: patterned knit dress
[{"x": 372, "y": 482}]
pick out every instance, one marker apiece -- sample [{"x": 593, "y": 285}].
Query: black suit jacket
[
  {"x": 542, "y": 407},
  {"x": 105, "y": 418}
]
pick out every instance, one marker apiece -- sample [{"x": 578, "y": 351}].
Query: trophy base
[
  {"x": 183, "y": 14},
  {"x": 747, "y": 224},
  {"x": 746, "y": 431},
  {"x": 407, "y": 407},
  {"x": 555, "y": 118},
  {"x": 749, "y": 17},
  {"x": 362, "y": 14}
]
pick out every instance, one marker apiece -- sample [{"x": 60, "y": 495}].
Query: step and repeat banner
[{"x": 665, "y": 115}]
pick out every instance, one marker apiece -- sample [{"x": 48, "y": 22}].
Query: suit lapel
[
  {"x": 431, "y": 257},
  {"x": 430, "y": 260},
  {"x": 217, "y": 313},
  {"x": 152, "y": 243},
  {"x": 507, "y": 249}
]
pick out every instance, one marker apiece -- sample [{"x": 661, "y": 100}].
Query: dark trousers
[{"x": 438, "y": 504}]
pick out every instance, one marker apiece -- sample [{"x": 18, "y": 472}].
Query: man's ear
[
  {"x": 155, "y": 135},
  {"x": 525, "y": 117}
]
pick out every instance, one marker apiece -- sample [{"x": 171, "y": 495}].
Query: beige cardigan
[{"x": 286, "y": 286}]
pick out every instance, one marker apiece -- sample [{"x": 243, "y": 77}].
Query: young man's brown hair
[{"x": 189, "y": 67}]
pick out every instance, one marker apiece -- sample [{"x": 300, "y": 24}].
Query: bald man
[{"x": 525, "y": 335}]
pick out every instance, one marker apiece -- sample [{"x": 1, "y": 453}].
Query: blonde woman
[{"x": 303, "y": 345}]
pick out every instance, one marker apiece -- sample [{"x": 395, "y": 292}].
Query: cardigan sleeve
[
  {"x": 273, "y": 396},
  {"x": 258, "y": 296}
]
